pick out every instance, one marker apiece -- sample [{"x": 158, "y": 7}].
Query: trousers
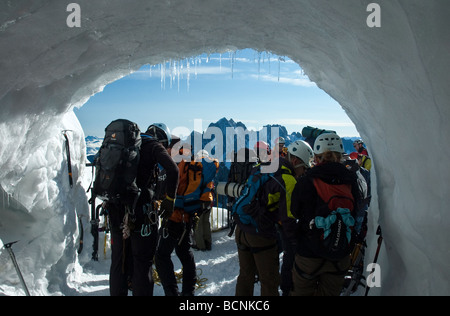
[{"x": 258, "y": 256}]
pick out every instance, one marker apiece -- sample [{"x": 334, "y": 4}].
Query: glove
[{"x": 166, "y": 208}]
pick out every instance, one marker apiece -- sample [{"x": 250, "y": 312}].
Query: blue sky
[{"x": 248, "y": 86}]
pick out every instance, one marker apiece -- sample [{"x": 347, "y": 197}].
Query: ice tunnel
[{"x": 387, "y": 65}]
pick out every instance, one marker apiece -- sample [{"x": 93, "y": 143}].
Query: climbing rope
[{"x": 200, "y": 283}]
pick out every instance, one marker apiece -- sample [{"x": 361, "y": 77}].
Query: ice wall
[
  {"x": 392, "y": 81},
  {"x": 39, "y": 208}
]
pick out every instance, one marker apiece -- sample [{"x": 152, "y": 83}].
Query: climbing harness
[{"x": 151, "y": 219}]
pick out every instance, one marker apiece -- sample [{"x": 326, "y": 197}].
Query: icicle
[
  {"x": 164, "y": 65},
  {"x": 279, "y": 67},
  {"x": 172, "y": 73},
  {"x": 163, "y": 75},
  {"x": 259, "y": 64},
  {"x": 195, "y": 66},
  {"x": 232, "y": 57},
  {"x": 179, "y": 67},
  {"x": 280, "y": 59},
  {"x": 129, "y": 64},
  {"x": 169, "y": 73},
  {"x": 188, "y": 66}
]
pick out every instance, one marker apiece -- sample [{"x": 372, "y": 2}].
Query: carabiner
[
  {"x": 165, "y": 233},
  {"x": 146, "y": 230},
  {"x": 153, "y": 217}
]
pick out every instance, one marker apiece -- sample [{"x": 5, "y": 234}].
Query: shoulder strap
[{"x": 147, "y": 136}]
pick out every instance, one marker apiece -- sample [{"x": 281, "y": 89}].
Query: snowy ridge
[{"x": 93, "y": 143}]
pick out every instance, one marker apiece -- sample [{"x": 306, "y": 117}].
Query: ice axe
[
  {"x": 69, "y": 163},
  {"x": 380, "y": 240},
  {"x": 8, "y": 247}
]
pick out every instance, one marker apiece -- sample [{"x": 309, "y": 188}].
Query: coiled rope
[{"x": 200, "y": 283}]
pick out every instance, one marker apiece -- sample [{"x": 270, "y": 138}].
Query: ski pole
[
  {"x": 8, "y": 247},
  {"x": 380, "y": 240}
]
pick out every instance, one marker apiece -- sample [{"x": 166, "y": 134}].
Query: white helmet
[
  {"x": 161, "y": 132},
  {"x": 280, "y": 140},
  {"x": 328, "y": 142},
  {"x": 301, "y": 150}
]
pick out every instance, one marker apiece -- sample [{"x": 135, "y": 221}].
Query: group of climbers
[
  {"x": 306, "y": 209},
  {"x": 264, "y": 152},
  {"x": 142, "y": 185},
  {"x": 313, "y": 209}
]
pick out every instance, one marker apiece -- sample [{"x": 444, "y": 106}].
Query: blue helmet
[{"x": 161, "y": 132}]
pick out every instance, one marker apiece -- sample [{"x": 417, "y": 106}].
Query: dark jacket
[
  {"x": 306, "y": 201},
  {"x": 152, "y": 154}
]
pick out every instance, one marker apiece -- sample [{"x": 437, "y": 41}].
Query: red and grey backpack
[{"x": 333, "y": 223}]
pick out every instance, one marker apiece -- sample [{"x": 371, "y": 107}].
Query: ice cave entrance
[{"x": 392, "y": 80}]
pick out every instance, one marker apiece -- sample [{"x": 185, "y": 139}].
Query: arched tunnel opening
[{"x": 389, "y": 79}]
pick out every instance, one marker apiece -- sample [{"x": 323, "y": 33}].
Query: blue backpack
[{"x": 245, "y": 208}]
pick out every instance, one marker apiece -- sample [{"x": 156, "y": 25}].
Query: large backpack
[
  {"x": 246, "y": 207},
  {"x": 117, "y": 163},
  {"x": 311, "y": 133},
  {"x": 195, "y": 176},
  {"x": 334, "y": 220}
]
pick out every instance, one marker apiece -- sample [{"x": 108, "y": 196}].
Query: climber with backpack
[
  {"x": 202, "y": 235},
  {"x": 194, "y": 196},
  {"x": 242, "y": 163},
  {"x": 300, "y": 155},
  {"x": 264, "y": 201},
  {"x": 325, "y": 203},
  {"x": 126, "y": 174}
]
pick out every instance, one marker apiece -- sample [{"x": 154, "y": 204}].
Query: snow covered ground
[{"x": 220, "y": 267}]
